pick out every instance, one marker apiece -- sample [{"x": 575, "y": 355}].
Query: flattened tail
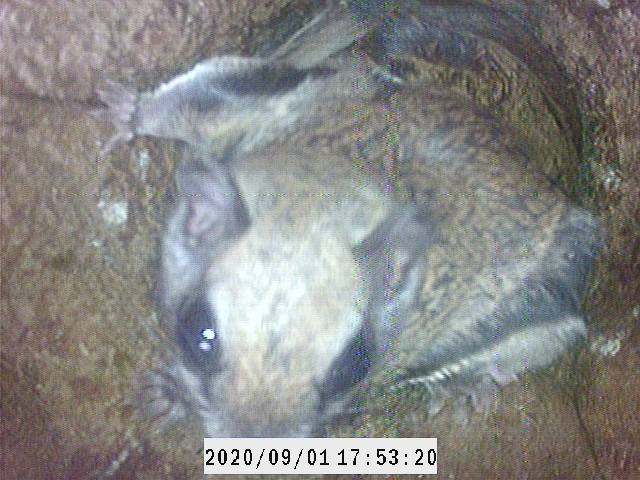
[{"x": 456, "y": 33}]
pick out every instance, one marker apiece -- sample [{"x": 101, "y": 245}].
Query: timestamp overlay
[{"x": 320, "y": 455}]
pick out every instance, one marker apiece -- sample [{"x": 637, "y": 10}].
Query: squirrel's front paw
[{"x": 121, "y": 104}]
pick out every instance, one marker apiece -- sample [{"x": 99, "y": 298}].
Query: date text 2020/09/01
[{"x": 320, "y": 455}]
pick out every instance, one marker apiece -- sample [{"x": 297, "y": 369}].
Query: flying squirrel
[{"x": 296, "y": 265}]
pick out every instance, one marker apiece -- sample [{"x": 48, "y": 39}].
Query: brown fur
[{"x": 352, "y": 203}]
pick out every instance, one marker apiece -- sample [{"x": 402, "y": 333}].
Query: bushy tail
[
  {"x": 457, "y": 32},
  {"x": 450, "y": 32}
]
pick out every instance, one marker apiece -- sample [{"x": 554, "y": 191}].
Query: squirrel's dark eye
[{"x": 197, "y": 335}]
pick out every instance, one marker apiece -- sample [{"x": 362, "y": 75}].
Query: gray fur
[{"x": 309, "y": 269}]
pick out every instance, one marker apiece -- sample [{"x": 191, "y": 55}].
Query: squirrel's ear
[
  {"x": 215, "y": 210},
  {"x": 393, "y": 257}
]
